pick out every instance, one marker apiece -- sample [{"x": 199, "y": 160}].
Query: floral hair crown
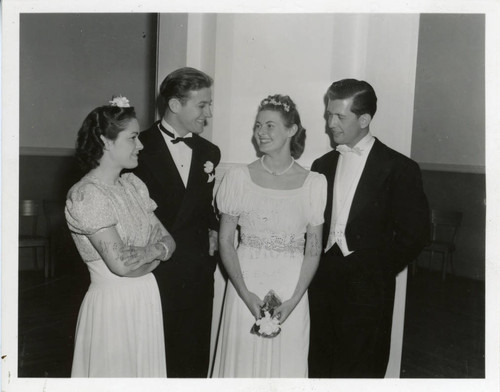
[
  {"x": 272, "y": 101},
  {"x": 120, "y": 101}
]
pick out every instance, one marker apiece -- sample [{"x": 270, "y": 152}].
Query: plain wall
[
  {"x": 448, "y": 137},
  {"x": 72, "y": 63},
  {"x": 255, "y": 59},
  {"x": 449, "y": 120}
]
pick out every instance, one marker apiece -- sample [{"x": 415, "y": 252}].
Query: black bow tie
[{"x": 187, "y": 140}]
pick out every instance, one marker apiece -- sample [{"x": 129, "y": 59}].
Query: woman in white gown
[
  {"x": 277, "y": 205},
  {"x": 119, "y": 331}
]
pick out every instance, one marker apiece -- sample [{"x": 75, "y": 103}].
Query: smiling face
[
  {"x": 192, "y": 115},
  {"x": 270, "y": 132},
  {"x": 345, "y": 126},
  {"x": 124, "y": 150}
]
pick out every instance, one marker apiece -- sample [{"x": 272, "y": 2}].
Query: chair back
[
  {"x": 31, "y": 209},
  {"x": 445, "y": 225}
]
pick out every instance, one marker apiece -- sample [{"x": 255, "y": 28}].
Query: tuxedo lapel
[
  {"x": 195, "y": 180},
  {"x": 371, "y": 179},
  {"x": 162, "y": 159},
  {"x": 329, "y": 172},
  {"x": 195, "y": 174},
  {"x": 168, "y": 184}
]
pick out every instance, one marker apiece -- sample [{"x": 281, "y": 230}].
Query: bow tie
[
  {"x": 187, "y": 140},
  {"x": 343, "y": 149}
]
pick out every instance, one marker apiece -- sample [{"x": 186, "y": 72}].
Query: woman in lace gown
[
  {"x": 277, "y": 204},
  {"x": 119, "y": 331}
]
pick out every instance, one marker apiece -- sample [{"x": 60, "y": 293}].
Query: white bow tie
[{"x": 343, "y": 149}]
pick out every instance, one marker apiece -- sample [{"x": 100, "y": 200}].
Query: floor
[{"x": 444, "y": 329}]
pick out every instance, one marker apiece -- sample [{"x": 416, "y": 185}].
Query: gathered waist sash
[{"x": 289, "y": 243}]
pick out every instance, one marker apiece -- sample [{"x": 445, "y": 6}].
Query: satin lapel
[
  {"x": 196, "y": 172},
  {"x": 165, "y": 170},
  {"x": 329, "y": 172},
  {"x": 196, "y": 180},
  {"x": 371, "y": 179}
]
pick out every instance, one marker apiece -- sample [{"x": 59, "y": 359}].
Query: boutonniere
[{"x": 208, "y": 168}]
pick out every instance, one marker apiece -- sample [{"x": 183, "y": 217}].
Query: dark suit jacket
[
  {"x": 389, "y": 216},
  {"x": 186, "y": 212}
]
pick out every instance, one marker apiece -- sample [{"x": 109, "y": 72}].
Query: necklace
[{"x": 275, "y": 173}]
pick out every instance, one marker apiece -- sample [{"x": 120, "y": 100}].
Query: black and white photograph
[{"x": 261, "y": 196}]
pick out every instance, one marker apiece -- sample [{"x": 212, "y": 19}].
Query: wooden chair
[
  {"x": 444, "y": 229},
  {"x": 31, "y": 211}
]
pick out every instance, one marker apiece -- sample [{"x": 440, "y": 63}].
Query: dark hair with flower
[
  {"x": 286, "y": 107},
  {"x": 107, "y": 121},
  {"x": 181, "y": 82}
]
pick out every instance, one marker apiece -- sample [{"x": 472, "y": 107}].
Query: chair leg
[
  {"x": 451, "y": 264},
  {"x": 34, "y": 252},
  {"x": 52, "y": 259},
  {"x": 46, "y": 250},
  {"x": 445, "y": 265}
]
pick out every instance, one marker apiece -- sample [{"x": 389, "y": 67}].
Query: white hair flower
[
  {"x": 274, "y": 102},
  {"x": 120, "y": 101}
]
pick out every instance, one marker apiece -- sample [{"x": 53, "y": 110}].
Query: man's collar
[
  {"x": 172, "y": 129},
  {"x": 364, "y": 142}
]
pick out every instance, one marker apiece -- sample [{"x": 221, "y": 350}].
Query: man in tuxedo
[
  {"x": 376, "y": 222},
  {"x": 178, "y": 167}
]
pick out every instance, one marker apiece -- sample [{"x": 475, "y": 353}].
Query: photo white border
[{"x": 10, "y": 189}]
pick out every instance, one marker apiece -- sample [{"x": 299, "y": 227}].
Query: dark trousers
[
  {"x": 351, "y": 303},
  {"x": 187, "y": 340}
]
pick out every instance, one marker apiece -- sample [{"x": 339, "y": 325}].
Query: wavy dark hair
[
  {"x": 364, "y": 99},
  {"x": 290, "y": 115},
  {"x": 181, "y": 82},
  {"x": 107, "y": 121}
]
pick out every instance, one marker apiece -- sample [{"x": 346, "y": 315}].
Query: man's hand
[{"x": 213, "y": 242}]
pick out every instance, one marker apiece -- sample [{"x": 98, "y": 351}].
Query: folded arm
[
  {"x": 132, "y": 261},
  {"x": 160, "y": 235}
]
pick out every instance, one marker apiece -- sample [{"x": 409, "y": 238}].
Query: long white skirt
[{"x": 120, "y": 330}]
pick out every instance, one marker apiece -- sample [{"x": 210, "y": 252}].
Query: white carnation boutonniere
[{"x": 208, "y": 168}]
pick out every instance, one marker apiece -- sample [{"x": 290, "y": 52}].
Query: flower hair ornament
[
  {"x": 272, "y": 101},
  {"x": 120, "y": 101}
]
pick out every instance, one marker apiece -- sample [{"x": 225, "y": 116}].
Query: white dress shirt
[
  {"x": 181, "y": 154},
  {"x": 349, "y": 169}
]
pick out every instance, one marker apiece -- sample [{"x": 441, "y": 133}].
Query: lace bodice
[
  {"x": 92, "y": 205},
  {"x": 269, "y": 218}
]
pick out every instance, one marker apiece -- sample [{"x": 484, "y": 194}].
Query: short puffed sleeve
[
  {"x": 230, "y": 192},
  {"x": 317, "y": 198},
  {"x": 89, "y": 209},
  {"x": 141, "y": 188}
]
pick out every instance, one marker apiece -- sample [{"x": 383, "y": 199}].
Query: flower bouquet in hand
[{"x": 268, "y": 326}]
